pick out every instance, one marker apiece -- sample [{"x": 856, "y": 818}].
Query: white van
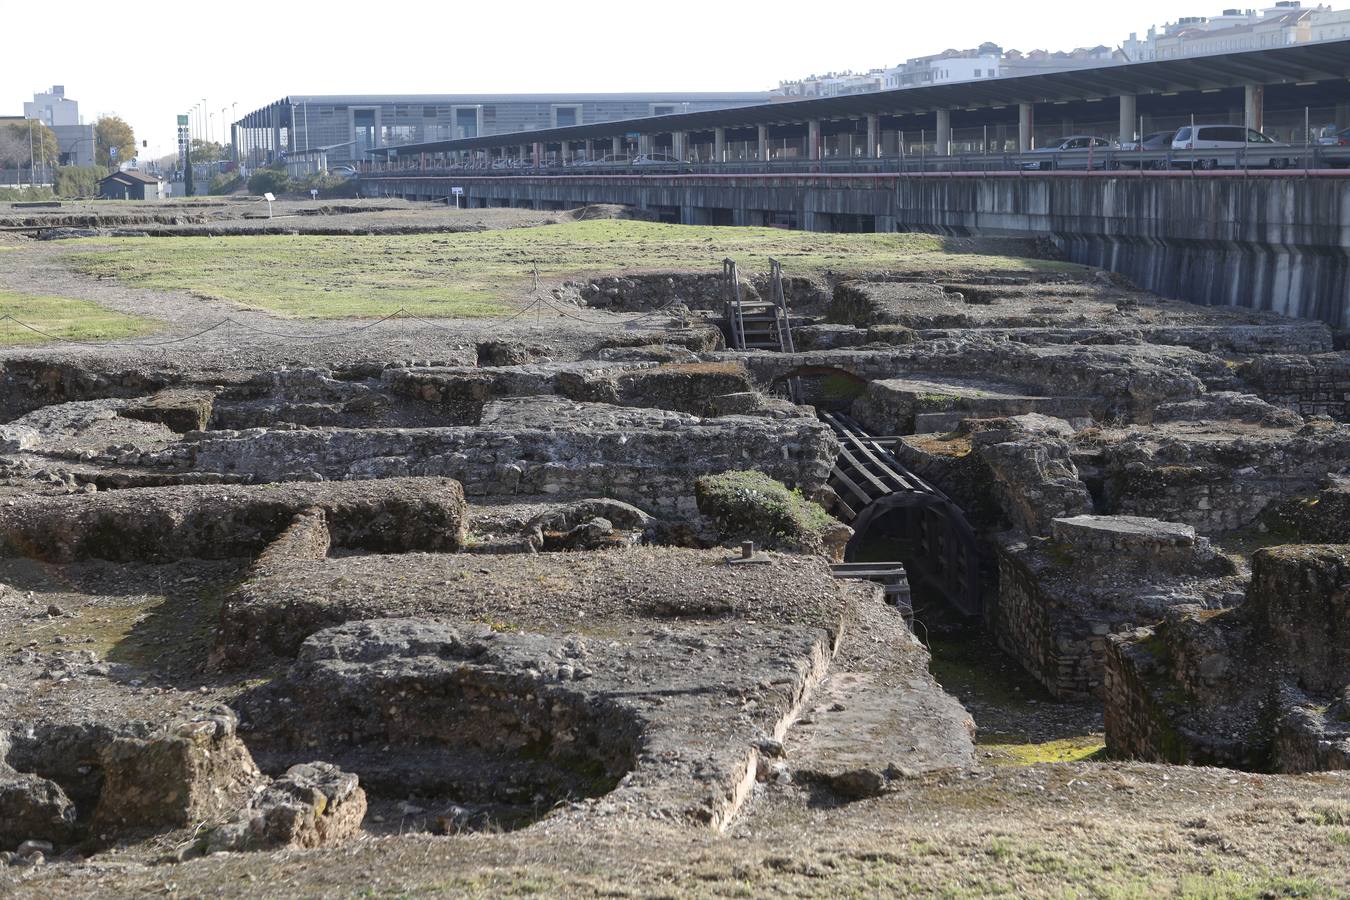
[{"x": 1226, "y": 137}]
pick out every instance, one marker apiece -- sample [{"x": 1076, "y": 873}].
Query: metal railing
[{"x": 1253, "y": 158}]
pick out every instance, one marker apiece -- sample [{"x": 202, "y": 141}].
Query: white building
[
  {"x": 62, "y": 116},
  {"x": 53, "y": 107},
  {"x": 1329, "y": 25},
  {"x": 1236, "y": 30},
  {"x": 942, "y": 68}
]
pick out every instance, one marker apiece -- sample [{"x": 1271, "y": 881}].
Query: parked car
[
  {"x": 655, "y": 159},
  {"x": 1158, "y": 140},
  {"x": 611, "y": 159},
  {"x": 1225, "y": 137},
  {"x": 342, "y": 171},
  {"x": 1336, "y": 139},
  {"x": 1079, "y": 151}
]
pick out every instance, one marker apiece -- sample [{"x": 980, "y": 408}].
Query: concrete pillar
[
  {"x": 719, "y": 145},
  {"x": 524, "y": 151},
  {"x": 644, "y": 144},
  {"x": 590, "y": 150},
  {"x": 616, "y": 145},
  {"x": 538, "y": 153},
  {"x": 873, "y": 136},
  {"x": 679, "y": 144},
  {"x": 763, "y": 155},
  {"x": 890, "y": 143},
  {"x": 1343, "y": 115},
  {"x": 942, "y": 140},
  {"x": 1128, "y": 118},
  {"x": 813, "y": 140},
  {"x": 1254, "y": 102},
  {"x": 1025, "y": 127}
]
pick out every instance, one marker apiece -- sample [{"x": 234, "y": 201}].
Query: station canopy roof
[
  {"x": 266, "y": 116},
  {"x": 1325, "y": 60}
]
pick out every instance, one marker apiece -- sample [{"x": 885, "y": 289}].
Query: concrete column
[
  {"x": 813, "y": 140},
  {"x": 763, "y": 155},
  {"x": 1128, "y": 117},
  {"x": 678, "y": 144},
  {"x": 719, "y": 145},
  {"x": 590, "y": 149},
  {"x": 1254, "y": 113},
  {"x": 1025, "y": 127},
  {"x": 616, "y": 145},
  {"x": 873, "y": 136},
  {"x": 524, "y": 151},
  {"x": 890, "y": 143},
  {"x": 538, "y": 153},
  {"x": 644, "y": 143},
  {"x": 942, "y": 140}
]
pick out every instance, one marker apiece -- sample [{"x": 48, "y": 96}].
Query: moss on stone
[{"x": 752, "y": 506}]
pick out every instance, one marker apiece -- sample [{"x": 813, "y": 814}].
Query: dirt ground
[
  {"x": 1067, "y": 829},
  {"x": 249, "y": 215}
]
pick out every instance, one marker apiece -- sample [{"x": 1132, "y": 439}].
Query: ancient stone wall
[
  {"x": 1031, "y": 628},
  {"x": 1312, "y": 385},
  {"x": 219, "y": 522},
  {"x": 1221, "y": 485},
  {"x": 624, "y": 454}
]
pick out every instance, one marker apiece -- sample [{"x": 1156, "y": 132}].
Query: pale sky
[{"x": 171, "y": 58}]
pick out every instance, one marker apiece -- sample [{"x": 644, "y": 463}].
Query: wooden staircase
[{"x": 757, "y": 324}]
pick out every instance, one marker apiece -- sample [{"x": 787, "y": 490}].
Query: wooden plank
[
  {"x": 881, "y": 486},
  {"x": 852, "y": 486}
]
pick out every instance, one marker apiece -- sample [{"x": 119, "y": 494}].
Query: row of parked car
[{"x": 1086, "y": 151}]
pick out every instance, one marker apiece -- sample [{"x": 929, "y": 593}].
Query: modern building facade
[
  {"x": 350, "y": 126},
  {"x": 62, "y": 115}
]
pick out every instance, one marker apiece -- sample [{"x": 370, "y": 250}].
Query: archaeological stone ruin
[{"x": 299, "y": 596}]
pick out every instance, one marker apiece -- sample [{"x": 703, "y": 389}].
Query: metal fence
[
  {"x": 1308, "y": 157},
  {"x": 38, "y": 176}
]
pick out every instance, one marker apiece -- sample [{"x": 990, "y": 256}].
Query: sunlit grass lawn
[
  {"x": 72, "y": 320},
  {"x": 472, "y": 274}
]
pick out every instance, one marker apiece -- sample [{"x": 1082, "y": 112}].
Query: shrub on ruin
[
  {"x": 78, "y": 181},
  {"x": 269, "y": 181},
  {"x": 226, "y": 183},
  {"x": 751, "y": 506}
]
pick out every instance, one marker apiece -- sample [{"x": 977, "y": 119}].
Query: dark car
[
  {"x": 1159, "y": 140},
  {"x": 1336, "y": 140}
]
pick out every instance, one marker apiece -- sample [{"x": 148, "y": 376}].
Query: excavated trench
[{"x": 448, "y": 743}]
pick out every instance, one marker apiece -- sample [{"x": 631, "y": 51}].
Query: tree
[
  {"x": 14, "y": 145},
  {"x": 111, "y": 132},
  {"x": 208, "y": 151}
]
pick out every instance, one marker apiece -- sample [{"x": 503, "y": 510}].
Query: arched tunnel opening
[
  {"x": 932, "y": 539},
  {"x": 898, "y": 516},
  {"x": 824, "y": 387}
]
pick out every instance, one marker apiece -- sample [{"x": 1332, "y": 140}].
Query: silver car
[{"x": 1079, "y": 151}]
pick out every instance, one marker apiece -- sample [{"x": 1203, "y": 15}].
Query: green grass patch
[
  {"x": 1078, "y": 748},
  {"x": 71, "y": 320},
  {"x": 468, "y": 275}
]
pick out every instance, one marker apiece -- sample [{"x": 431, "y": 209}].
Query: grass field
[
  {"x": 468, "y": 275},
  {"x": 72, "y": 320}
]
